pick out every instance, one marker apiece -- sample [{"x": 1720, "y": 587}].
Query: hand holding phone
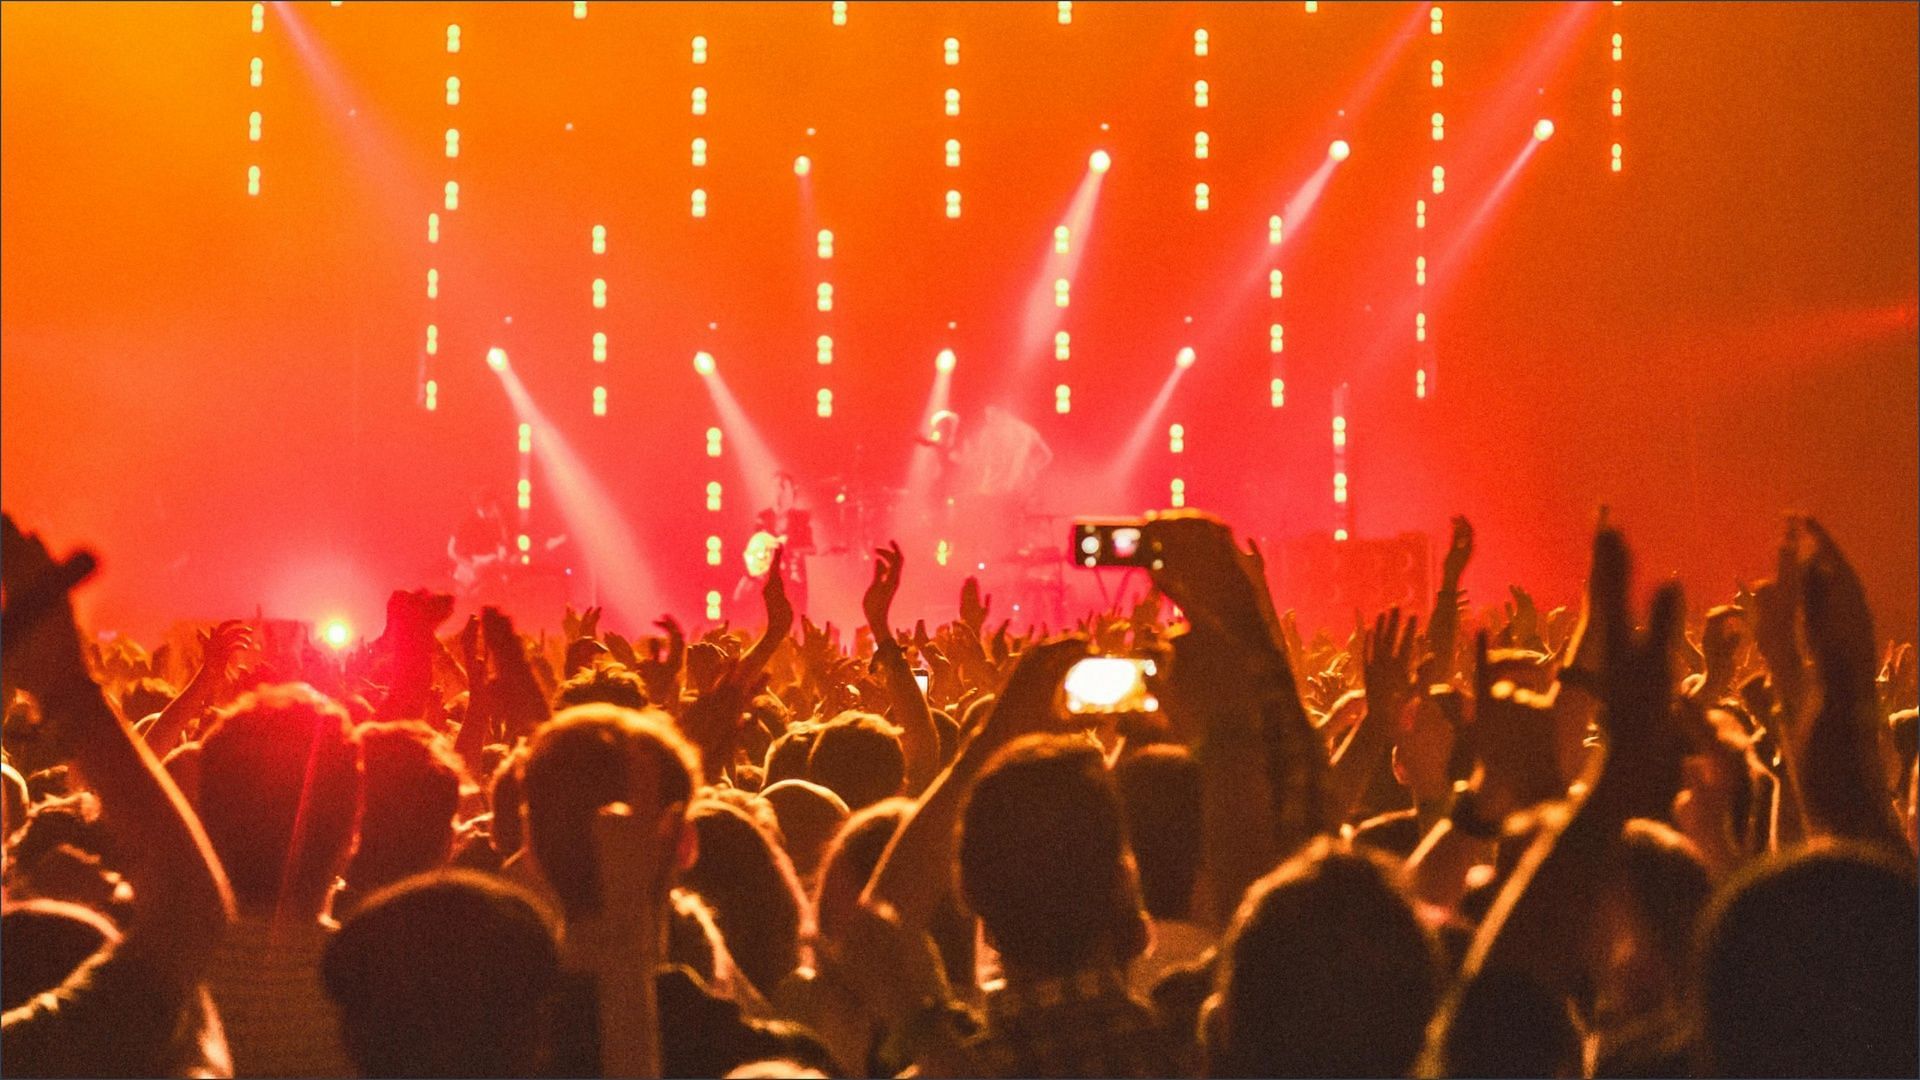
[
  {"x": 1113, "y": 542},
  {"x": 1109, "y": 684}
]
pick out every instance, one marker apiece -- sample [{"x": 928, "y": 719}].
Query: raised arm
[
  {"x": 1542, "y": 919},
  {"x": 514, "y": 696},
  {"x": 779, "y": 618},
  {"x": 915, "y": 871},
  {"x": 918, "y": 737},
  {"x": 181, "y": 902},
  {"x": 217, "y": 649},
  {"x": 1263, "y": 769},
  {"x": 1443, "y": 626},
  {"x": 406, "y": 651},
  {"x": 622, "y": 942},
  {"x": 1837, "y": 768},
  {"x": 1387, "y": 656}
]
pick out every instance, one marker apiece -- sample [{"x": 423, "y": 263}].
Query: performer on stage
[
  {"x": 782, "y": 524},
  {"x": 478, "y": 547}
]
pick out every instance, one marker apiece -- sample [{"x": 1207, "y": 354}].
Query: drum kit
[{"x": 1019, "y": 551}]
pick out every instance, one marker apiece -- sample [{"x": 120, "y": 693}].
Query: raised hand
[
  {"x": 1387, "y": 659},
  {"x": 878, "y": 601},
  {"x": 211, "y": 683},
  {"x": 472, "y": 661},
  {"x": 1290, "y": 634},
  {"x": 1512, "y": 736},
  {"x": 635, "y": 858},
  {"x": 403, "y": 656},
  {"x": 417, "y": 612},
  {"x": 1839, "y": 628},
  {"x": 774, "y": 595},
  {"x": 998, "y": 646},
  {"x": 661, "y": 667},
  {"x": 41, "y": 644},
  {"x": 1218, "y": 586},
  {"x": 622, "y": 651},
  {"x": 1028, "y": 703},
  {"x": 220, "y": 645},
  {"x": 1523, "y": 620},
  {"x": 1388, "y": 655},
  {"x": 974, "y": 609},
  {"x": 1776, "y": 610},
  {"x": 514, "y": 693},
  {"x": 1459, "y": 551},
  {"x": 1146, "y": 613},
  {"x": 1643, "y": 742},
  {"x": 1836, "y": 765},
  {"x": 713, "y": 721},
  {"x": 944, "y": 686}
]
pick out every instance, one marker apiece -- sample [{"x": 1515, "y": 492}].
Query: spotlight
[
  {"x": 1100, "y": 161},
  {"x": 703, "y": 363},
  {"x": 944, "y": 362},
  {"x": 1185, "y": 357},
  {"x": 336, "y": 633},
  {"x": 1543, "y": 130},
  {"x": 497, "y": 358},
  {"x": 802, "y": 165},
  {"x": 1339, "y": 150}
]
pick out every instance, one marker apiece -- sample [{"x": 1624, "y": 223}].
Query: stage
[{"x": 1348, "y": 269}]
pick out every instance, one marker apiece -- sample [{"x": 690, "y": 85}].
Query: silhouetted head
[
  {"x": 1160, "y": 787},
  {"x": 749, "y": 882},
  {"x": 1805, "y": 967},
  {"x": 1326, "y": 972},
  {"x": 1044, "y": 860},
  {"x": 850, "y": 859},
  {"x": 809, "y": 816},
  {"x": 588, "y": 757},
  {"x": 409, "y": 792},
  {"x": 443, "y": 974},
  {"x": 857, "y": 756},
  {"x": 604, "y": 684},
  {"x": 278, "y": 790}
]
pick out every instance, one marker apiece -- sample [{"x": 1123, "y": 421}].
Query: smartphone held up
[{"x": 1109, "y": 684}]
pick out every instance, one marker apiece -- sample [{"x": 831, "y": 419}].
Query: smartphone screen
[
  {"x": 1109, "y": 684},
  {"x": 1111, "y": 543},
  {"x": 921, "y": 676}
]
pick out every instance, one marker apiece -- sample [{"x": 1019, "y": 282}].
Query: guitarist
[{"x": 781, "y": 525}]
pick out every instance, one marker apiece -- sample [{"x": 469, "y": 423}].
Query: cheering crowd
[{"x": 1480, "y": 841}]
